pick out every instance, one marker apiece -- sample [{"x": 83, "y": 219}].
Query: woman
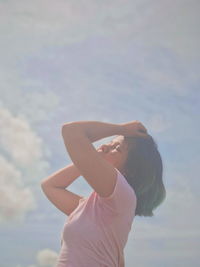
[{"x": 126, "y": 176}]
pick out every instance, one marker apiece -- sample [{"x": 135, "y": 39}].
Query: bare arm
[
  {"x": 100, "y": 174},
  {"x": 54, "y": 189},
  {"x": 63, "y": 177},
  {"x": 67, "y": 175},
  {"x": 95, "y": 130}
]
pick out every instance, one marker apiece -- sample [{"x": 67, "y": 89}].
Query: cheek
[
  {"x": 116, "y": 156},
  {"x": 112, "y": 156}
]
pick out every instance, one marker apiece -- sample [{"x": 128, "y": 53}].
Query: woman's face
[{"x": 116, "y": 152}]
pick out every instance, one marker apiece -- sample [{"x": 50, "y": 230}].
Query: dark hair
[{"x": 143, "y": 170}]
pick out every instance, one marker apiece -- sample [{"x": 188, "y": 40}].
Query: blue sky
[{"x": 111, "y": 61}]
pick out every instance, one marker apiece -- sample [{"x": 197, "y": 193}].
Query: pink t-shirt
[{"x": 96, "y": 232}]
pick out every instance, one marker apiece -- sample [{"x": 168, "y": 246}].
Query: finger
[
  {"x": 143, "y": 129},
  {"x": 141, "y": 126},
  {"x": 142, "y": 133}
]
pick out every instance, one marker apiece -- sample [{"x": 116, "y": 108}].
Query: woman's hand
[{"x": 134, "y": 128}]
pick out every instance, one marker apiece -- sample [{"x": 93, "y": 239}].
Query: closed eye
[
  {"x": 118, "y": 148},
  {"x": 115, "y": 146}
]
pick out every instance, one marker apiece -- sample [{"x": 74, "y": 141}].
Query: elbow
[
  {"x": 64, "y": 129},
  {"x": 44, "y": 183},
  {"x": 65, "y": 126},
  {"x": 42, "y": 186},
  {"x": 45, "y": 188},
  {"x": 68, "y": 127}
]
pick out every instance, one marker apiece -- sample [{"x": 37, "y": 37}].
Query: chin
[{"x": 111, "y": 162}]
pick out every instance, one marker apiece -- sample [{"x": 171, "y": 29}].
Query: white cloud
[
  {"x": 21, "y": 163},
  {"x": 29, "y": 99},
  {"x": 45, "y": 258},
  {"x": 18, "y": 139},
  {"x": 15, "y": 199}
]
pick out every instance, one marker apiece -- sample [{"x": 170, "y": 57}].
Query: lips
[{"x": 101, "y": 150}]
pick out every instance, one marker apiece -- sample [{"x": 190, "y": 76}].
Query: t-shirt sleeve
[{"x": 123, "y": 197}]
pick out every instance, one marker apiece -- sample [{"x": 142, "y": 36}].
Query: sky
[{"x": 110, "y": 61}]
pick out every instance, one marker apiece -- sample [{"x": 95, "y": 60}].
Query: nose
[{"x": 105, "y": 148}]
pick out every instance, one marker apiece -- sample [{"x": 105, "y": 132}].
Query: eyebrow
[{"x": 116, "y": 142}]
